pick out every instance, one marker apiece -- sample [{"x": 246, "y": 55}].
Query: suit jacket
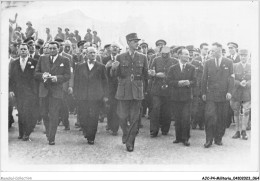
[
  {"x": 217, "y": 81},
  {"x": 106, "y": 59},
  {"x": 90, "y": 84},
  {"x": 242, "y": 93},
  {"x": 198, "y": 64},
  {"x": 132, "y": 74},
  {"x": 175, "y": 75},
  {"x": 237, "y": 60},
  {"x": 112, "y": 80},
  {"x": 22, "y": 83},
  {"x": 60, "y": 68}
]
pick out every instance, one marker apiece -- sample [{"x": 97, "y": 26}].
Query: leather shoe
[
  {"x": 164, "y": 133},
  {"x": 219, "y": 143},
  {"x": 130, "y": 148},
  {"x": 51, "y": 143},
  {"x": 186, "y": 143},
  {"x": 244, "y": 136},
  {"x": 177, "y": 141},
  {"x": 236, "y": 135},
  {"x": 207, "y": 144},
  {"x": 67, "y": 129},
  {"x": 153, "y": 135},
  {"x": 90, "y": 142},
  {"x": 26, "y": 138}
]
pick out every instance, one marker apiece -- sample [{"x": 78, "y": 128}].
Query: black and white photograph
[{"x": 129, "y": 90}]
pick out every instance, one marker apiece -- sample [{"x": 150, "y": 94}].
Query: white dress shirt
[
  {"x": 54, "y": 57},
  {"x": 23, "y": 63},
  {"x": 91, "y": 65},
  {"x": 219, "y": 61},
  {"x": 181, "y": 65}
]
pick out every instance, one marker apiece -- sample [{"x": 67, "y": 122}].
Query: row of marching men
[{"x": 121, "y": 81}]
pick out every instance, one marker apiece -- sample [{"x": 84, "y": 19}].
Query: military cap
[
  {"x": 160, "y": 41},
  {"x": 29, "y": 41},
  {"x": 107, "y": 45},
  {"x": 143, "y": 43},
  {"x": 67, "y": 42},
  {"x": 40, "y": 42},
  {"x": 177, "y": 48},
  {"x": 29, "y": 23},
  {"x": 59, "y": 28},
  {"x": 132, "y": 36},
  {"x": 165, "y": 50},
  {"x": 114, "y": 45},
  {"x": 58, "y": 40},
  {"x": 232, "y": 44},
  {"x": 80, "y": 43},
  {"x": 243, "y": 52},
  {"x": 190, "y": 48},
  {"x": 67, "y": 29},
  {"x": 94, "y": 31},
  {"x": 150, "y": 51},
  {"x": 88, "y": 30}
]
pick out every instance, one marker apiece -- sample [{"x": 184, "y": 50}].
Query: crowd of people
[{"x": 194, "y": 87}]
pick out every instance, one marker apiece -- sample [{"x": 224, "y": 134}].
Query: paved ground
[{"x": 72, "y": 148}]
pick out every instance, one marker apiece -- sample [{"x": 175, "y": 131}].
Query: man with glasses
[
  {"x": 52, "y": 71},
  {"x": 131, "y": 68},
  {"x": 23, "y": 86}
]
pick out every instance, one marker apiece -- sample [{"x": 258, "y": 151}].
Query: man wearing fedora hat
[
  {"x": 88, "y": 37},
  {"x": 29, "y": 30},
  {"x": 131, "y": 68}
]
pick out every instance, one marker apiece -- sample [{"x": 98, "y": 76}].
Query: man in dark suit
[
  {"x": 161, "y": 113},
  {"x": 198, "y": 105},
  {"x": 23, "y": 86},
  {"x": 90, "y": 89},
  {"x": 52, "y": 71},
  {"x": 131, "y": 68},
  {"x": 112, "y": 117},
  {"x": 217, "y": 86},
  {"x": 181, "y": 79}
]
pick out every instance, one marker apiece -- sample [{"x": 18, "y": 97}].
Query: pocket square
[
  {"x": 32, "y": 67},
  {"x": 226, "y": 67},
  {"x": 61, "y": 65}
]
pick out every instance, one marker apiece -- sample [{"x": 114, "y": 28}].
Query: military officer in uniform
[
  {"x": 217, "y": 86},
  {"x": 241, "y": 96},
  {"x": 131, "y": 68},
  {"x": 198, "y": 105},
  {"x": 161, "y": 113},
  {"x": 232, "y": 47}
]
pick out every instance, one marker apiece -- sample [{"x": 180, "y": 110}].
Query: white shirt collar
[
  {"x": 32, "y": 54},
  {"x": 181, "y": 64},
  {"x": 26, "y": 59},
  {"x": 55, "y": 57},
  {"x": 113, "y": 56},
  {"x": 220, "y": 60}
]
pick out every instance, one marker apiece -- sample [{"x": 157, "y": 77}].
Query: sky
[{"x": 178, "y": 22}]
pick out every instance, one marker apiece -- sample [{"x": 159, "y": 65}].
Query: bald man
[{"x": 90, "y": 89}]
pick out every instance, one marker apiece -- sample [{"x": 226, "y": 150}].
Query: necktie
[
  {"x": 183, "y": 67},
  {"x": 30, "y": 55},
  {"x": 51, "y": 61},
  {"x": 23, "y": 66}
]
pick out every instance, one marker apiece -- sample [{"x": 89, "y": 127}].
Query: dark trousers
[
  {"x": 27, "y": 117},
  {"x": 216, "y": 114},
  {"x": 112, "y": 117},
  {"x": 64, "y": 111},
  {"x": 198, "y": 112},
  {"x": 50, "y": 107},
  {"x": 161, "y": 115},
  {"x": 88, "y": 112},
  {"x": 147, "y": 103},
  {"x": 128, "y": 111},
  {"x": 182, "y": 112}
]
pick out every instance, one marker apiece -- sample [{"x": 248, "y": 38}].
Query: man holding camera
[{"x": 52, "y": 71}]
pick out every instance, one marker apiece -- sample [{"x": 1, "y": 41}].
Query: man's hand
[
  {"x": 151, "y": 72},
  {"x": 70, "y": 90},
  {"x": 243, "y": 83},
  {"x": 105, "y": 99},
  {"x": 115, "y": 64},
  {"x": 204, "y": 97},
  {"x": 109, "y": 64},
  {"x": 228, "y": 96},
  {"x": 11, "y": 94},
  {"x": 160, "y": 75},
  {"x": 54, "y": 78},
  {"x": 45, "y": 75},
  {"x": 181, "y": 83},
  {"x": 186, "y": 83}
]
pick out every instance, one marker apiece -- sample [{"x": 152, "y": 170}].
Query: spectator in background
[
  {"x": 67, "y": 33},
  {"x": 29, "y": 31},
  {"x": 88, "y": 37},
  {"x": 60, "y": 35},
  {"x": 49, "y": 36},
  {"x": 77, "y": 36},
  {"x": 96, "y": 39}
]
